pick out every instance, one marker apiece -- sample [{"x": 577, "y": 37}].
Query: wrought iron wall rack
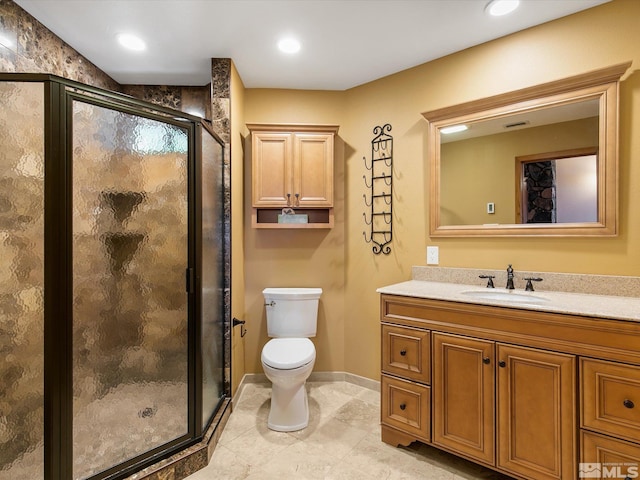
[{"x": 380, "y": 185}]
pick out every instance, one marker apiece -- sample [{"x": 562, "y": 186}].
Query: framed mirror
[{"x": 558, "y": 140}]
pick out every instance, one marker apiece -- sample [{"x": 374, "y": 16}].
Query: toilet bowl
[
  {"x": 287, "y": 359},
  {"x": 287, "y": 363}
]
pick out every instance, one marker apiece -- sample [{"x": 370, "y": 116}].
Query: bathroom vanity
[{"x": 527, "y": 383}]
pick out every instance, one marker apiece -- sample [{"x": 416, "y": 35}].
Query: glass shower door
[
  {"x": 21, "y": 281},
  {"x": 130, "y": 306},
  {"x": 212, "y": 268}
]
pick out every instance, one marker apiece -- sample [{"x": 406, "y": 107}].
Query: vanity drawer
[
  {"x": 610, "y": 452},
  {"x": 611, "y": 398},
  {"x": 407, "y": 407},
  {"x": 406, "y": 352}
]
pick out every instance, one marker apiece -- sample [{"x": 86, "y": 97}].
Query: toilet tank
[{"x": 292, "y": 312}]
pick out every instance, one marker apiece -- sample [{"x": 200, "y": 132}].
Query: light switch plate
[{"x": 432, "y": 256}]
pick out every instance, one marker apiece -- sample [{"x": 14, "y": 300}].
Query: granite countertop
[{"x": 602, "y": 306}]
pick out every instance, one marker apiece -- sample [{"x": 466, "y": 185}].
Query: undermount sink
[{"x": 505, "y": 296}]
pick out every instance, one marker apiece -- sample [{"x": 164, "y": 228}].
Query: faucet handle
[
  {"x": 529, "y": 286},
  {"x": 490, "y": 281}
]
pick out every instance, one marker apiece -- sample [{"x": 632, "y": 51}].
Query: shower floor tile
[{"x": 342, "y": 441}]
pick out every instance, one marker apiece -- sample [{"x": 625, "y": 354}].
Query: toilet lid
[{"x": 288, "y": 353}]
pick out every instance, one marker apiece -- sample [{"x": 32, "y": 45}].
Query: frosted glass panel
[
  {"x": 129, "y": 301},
  {"x": 21, "y": 281},
  {"x": 212, "y": 276}
]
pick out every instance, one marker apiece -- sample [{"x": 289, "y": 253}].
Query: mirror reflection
[
  {"x": 557, "y": 187},
  {"x": 538, "y": 161},
  {"x": 478, "y": 166}
]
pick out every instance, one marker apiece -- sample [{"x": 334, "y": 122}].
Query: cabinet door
[
  {"x": 536, "y": 413},
  {"x": 272, "y": 169},
  {"x": 463, "y": 400},
  {"x": 313, "y": 170}
]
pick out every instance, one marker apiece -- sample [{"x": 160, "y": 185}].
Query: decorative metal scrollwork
[{"x": 380, "y": 185}]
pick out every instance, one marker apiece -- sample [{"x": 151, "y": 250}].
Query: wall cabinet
[
  {"x": 530, "y": 394},
  {"x": 292, "y": 167}
]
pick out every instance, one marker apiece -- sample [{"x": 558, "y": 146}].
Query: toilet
[{"x": 288, "y": 358}]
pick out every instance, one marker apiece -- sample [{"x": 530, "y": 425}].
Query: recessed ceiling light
[
  {"x": 453, "y": 129},
  {"x": 498, "y": 8},
  {"x": 289, "y": 45},
  {"x": 131, "y": 42}
]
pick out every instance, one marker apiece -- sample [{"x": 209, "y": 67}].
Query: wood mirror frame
[{"x": 600, "y": 84}]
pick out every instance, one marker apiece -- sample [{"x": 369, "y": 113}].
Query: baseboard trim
[{"x": 261, "y": 378}]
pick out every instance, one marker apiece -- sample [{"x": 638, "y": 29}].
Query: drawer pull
[
  {"x": 628, "y": 403},
  {"x": 403, "y": 352},
  {"x": 502, "y": 363},
  {"x": 486, "y": 360},
  {"x": 403, "y": 406}
]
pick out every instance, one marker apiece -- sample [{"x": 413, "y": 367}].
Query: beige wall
[
  {"x": 342, "y": 263},
  {"x": 296, "y": 258},
  {"x": 480, "y": 170},
  {"x": 237, "y": 226}
]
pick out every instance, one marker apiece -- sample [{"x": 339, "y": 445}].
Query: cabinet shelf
[{"x": 268, "y": 218}]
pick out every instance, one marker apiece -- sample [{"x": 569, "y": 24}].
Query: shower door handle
[{"x": 189, "y": 280}]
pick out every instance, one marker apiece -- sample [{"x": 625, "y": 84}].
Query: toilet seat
[{"x": 288, "y": 353}]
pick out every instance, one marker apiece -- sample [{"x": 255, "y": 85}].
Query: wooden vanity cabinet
[
  {"x": 527, "y": 393},
  {"x": 536, "y": 412},
  {"x": 406, "y": 373},
  {"x": 535, "y": 395},
  {"x": 463, "y": 395},
  {"x": 292, "y": 167}
]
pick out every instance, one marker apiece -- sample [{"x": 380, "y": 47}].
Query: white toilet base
[
  {"x": 289, "y": 404},
  {"x": 289, "y": 409}
]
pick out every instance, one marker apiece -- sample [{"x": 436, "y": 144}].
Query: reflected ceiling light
[
  {"x": 289, "y": 45},
  {"x": 131, "y": 42},
  {"x": 6, "y": 41},
  {"x": 453, "y": 129},
  {"x": 498, "y": 8}
]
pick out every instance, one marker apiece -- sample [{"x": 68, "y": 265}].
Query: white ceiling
[{"x": 345, "y": 43}]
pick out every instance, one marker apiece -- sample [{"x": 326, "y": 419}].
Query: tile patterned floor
[{"x": 341, "y": 442}]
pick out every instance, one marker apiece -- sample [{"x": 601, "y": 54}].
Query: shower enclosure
[{"x": 113, "y": 328}]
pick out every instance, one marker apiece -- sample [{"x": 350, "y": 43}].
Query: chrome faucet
[{"x": 510, "y": 278}]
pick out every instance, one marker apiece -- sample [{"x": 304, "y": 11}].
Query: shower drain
[{"x": 147, "y": 412}]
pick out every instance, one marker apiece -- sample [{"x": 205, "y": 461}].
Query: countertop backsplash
[{"x": 622, "y": 286}]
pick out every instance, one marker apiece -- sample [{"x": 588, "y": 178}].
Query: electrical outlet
[{"x": 432, "y": 256}]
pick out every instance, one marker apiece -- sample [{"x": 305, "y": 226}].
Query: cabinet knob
[
  {"x": 628, "y": 403},
  {"x": 403, "y": 352},
  {"x": 502, "y": 363},
  {"x": 403, "y": 406},
  {"x": 486, "y": 360}
]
